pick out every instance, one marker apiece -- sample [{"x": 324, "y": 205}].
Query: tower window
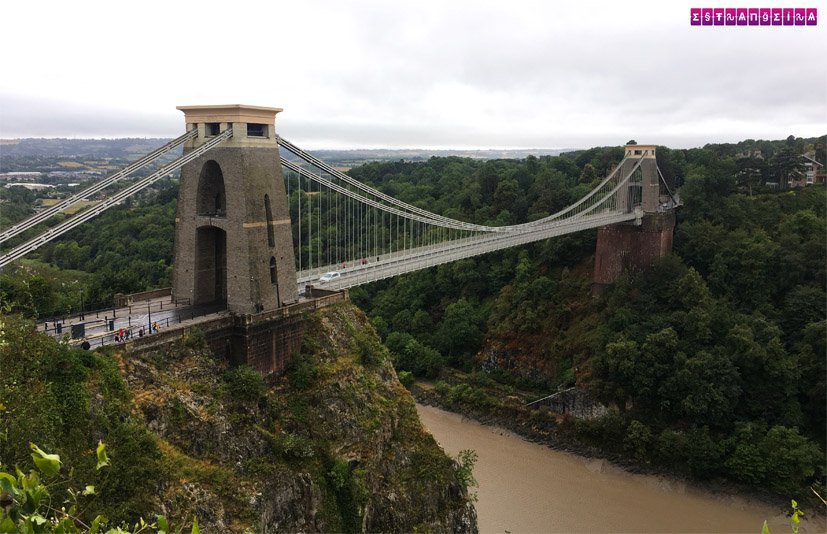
[
  {"x": 271, "y": 234},
  {"x": 212, "y": 129},
  {"x": 273, "y": 279},
  {"x": 256, "y": 130}
]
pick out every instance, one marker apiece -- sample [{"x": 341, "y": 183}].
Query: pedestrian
[
  {"x": 120, "y": 333},
  {"x": 141, "y": 332}
]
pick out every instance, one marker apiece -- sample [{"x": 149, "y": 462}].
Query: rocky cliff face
[{"x": 333, "y": 445}]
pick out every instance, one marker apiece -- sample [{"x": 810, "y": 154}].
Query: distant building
[
  {"x": 813, "y": 170},
  {"x": 29, "y": 185},
  {"x": 20, "y": 176}
]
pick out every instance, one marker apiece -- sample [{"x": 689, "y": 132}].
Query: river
[{"x": 525, "y": 487}]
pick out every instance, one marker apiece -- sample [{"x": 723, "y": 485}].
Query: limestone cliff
[{"x": 334, "y": 445}]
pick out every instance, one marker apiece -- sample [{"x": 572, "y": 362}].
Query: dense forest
[{"x": 713, "y": 360}]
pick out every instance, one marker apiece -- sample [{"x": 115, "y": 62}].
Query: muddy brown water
[{"x": 528, "y": 488}]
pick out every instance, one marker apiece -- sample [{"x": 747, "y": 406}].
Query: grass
[{"x": 71, "y": 210}]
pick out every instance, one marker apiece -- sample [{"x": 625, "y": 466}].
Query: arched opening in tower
[
  {"x": 211, "y": 199},
  {"x": 210, "y": 266}
]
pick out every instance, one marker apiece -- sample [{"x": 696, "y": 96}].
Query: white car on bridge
[{"x": 329, "y": 277}]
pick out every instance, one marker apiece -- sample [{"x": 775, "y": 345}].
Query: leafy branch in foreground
[
  {"x": 26, "y": 505},
  {"x": 795, "y": 519}
]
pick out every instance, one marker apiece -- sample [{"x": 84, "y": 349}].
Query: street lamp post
[
  {"x": 82, "y": 318},
  {"x": 149, "y": 314}
]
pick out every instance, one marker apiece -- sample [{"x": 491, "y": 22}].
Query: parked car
[{"x": 329, "y": 277}]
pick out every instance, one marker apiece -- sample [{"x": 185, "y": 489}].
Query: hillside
[
  {"x": 334, "y": 445},
  {"x": 710, "y": 364}
]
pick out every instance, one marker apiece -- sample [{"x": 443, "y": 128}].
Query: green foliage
[
  {"x": 459, "y": 333},
  {"x": 47, "y": 391},
  {"x": 465, "y": 461},
  {"x": 367, "y": 347},
  {"x": 194, "y": 338},
  {"x": 348, "y": 486},
  {"x": 244, "y": 383},
  {"x": 795, "y": 519},
  {"x": 638, "y": 440},
  {"x": 289, "y": 446},
  {"x": 31, "y": 502},
  {"x": 607, "y": 430},
  {"x": 716, "y": 350},
  {"x": 406, "y": 379},
  {"x": 303, "y": 370},
  {"x": 470, "y": 396},
  {"x": 40, "y": 290},
  {"x": 410, "y": 355}
]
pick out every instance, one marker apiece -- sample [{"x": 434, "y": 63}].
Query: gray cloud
[{"x": 455, "y": 74}]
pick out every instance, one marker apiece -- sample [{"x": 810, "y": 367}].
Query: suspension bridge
[{"x": 254, "y": 229}]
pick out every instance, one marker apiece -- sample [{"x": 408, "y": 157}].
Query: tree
[
  {"x": 786, "y": 165},
  {"x": 459, "y": 334},
  {"x": 589, "y": 174}
]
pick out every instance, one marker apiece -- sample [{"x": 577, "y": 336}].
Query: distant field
[
  {"x": 73, "y": 164},
  {"x": 46, "y": 202},
  {"x": 79, "y": 206}
]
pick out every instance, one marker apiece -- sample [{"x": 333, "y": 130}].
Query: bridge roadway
[
  {"x": 140, "y": 316},
  {"x": 376, "y": 268},
  {"x": 168, "y": 314},
  {"x": 162, "y": 311}
]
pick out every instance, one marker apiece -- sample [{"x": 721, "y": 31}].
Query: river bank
[
  {"x": 528, "y": 487},
  {"x": 507, "y": 411}
]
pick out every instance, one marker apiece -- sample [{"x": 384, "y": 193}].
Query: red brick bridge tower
[{"x": 636, "y": 245}]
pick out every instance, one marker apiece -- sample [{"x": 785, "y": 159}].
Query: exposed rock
[{"x": 333, "y": 445}]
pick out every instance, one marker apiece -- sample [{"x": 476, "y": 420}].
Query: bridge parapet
[{"x": 264, "y": 341}]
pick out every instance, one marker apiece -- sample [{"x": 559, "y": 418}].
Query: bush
[
  {"x": 244, "y": 383},
  {"x": 470, "y": 396},
  {"x": 703, "y": 454},
  {"x": 194, "y": 339},
  {"x": 367, "y": 348},
  {"x": 442, "y": 387},
  {"x": 672, "y": 449},
  {"x": 410, "y": 355},
  {"x": 302, "y": 371},
  {"x": 465, "y": 461},
  {"x": 779, "y": 457},
  {"x": 637, "y": 441},
  {"x": 406, "y": 379}
]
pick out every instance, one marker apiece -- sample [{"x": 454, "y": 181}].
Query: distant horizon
[{"x": 310, "y": 146}]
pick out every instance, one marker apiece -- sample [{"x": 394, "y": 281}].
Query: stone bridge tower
[
  {"x": 636, "y": 245},
  {"x": 233, "y": 243}
]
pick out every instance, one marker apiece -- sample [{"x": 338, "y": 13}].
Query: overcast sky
[{"x": 405, "y": 73}]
